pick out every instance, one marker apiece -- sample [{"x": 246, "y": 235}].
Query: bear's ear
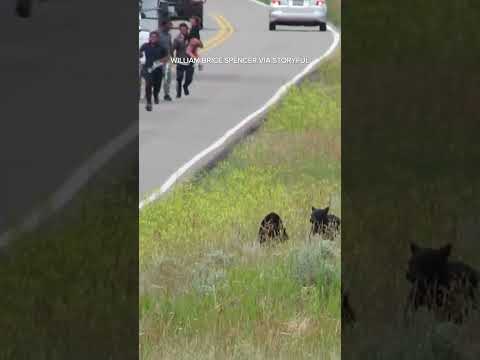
[
  {"x": 326, "y": 210},
  {"x": 313, "y": 208},
  {"x": 446, "y": 250},
  {"x": 414, "y": 248}
]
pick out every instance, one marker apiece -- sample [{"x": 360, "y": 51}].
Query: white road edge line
[{"x": 274, "y": 99}]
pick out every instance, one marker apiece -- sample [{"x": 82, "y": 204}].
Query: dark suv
[
  {"x": 174, "y": 10},
  {"x": 185, "y": 9},
  {"x": 160, "y": 12}
]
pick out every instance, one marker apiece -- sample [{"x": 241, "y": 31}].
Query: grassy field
[
  {"x": 68, "y": 289},
  {"x": 416, "y": 174},
  {"x": 207, "y": 290}
]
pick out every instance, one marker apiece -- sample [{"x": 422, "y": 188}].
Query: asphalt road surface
[
  {"x": 222, "y": 94},
  {"x": 60, "y": 90}
]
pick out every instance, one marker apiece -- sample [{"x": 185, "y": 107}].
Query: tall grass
[
  {"x": 68, "y": 288},
  {"x": 420, "y": 189}
]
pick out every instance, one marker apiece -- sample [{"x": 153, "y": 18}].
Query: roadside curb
[{"x": 217, "y": 151}]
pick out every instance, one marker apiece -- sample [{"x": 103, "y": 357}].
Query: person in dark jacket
[
  {"x": 184, "y": 62},
  {"x": 155, "y": 58},
  {"x": 195, "y": 26}
]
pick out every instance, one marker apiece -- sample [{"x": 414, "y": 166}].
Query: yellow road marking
[{"x": 225, "y": 31}]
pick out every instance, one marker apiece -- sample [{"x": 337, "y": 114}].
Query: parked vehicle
[
  {"x": 160, "y": 13},
  {"x": 174, "y": 10},
  {"x": 298, "y": 12},
  {"x": 185, "y": 9}
]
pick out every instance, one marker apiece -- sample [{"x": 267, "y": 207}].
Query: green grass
[
  {"x": 253, "y": 307},
  {"x": 64, "y": 285},
  {"x": 207, "y": 289},
  {"x": 416, "y": 175}
]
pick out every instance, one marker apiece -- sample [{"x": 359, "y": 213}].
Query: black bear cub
[
  {"x": 348, "y": 315},
  {"x": 447, "y": 288},
  {"x": 272, "y": 228},
  {"x": 324, "y": 223}
]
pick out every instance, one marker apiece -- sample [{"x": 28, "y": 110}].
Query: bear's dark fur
[
  {"x": 272, "y": 228},
  {"x": 449, "y": 289},
  {"x": 348, "y": 315},
  {"x": 324, "y": 223}
]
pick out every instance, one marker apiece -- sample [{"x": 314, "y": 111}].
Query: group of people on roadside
[{"x": 159, "y": 51}]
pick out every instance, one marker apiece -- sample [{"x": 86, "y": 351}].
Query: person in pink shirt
[{"x": 192, "y": 48}]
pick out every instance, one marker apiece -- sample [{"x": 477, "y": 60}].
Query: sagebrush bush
[
  {"x": 210, "y": 273},
  {"x": 317, "y": 263}
]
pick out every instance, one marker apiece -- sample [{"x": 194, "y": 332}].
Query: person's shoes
[
  {"x": 185, "y": 90},
  {"x": 167, "y": 98},
  {"x": 148, "y": 107},
  {"x": 179, "y": 95},
  {"x": 155, "y": 100}
]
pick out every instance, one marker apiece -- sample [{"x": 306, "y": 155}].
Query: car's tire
[
  {"x": 323, "y": 27},
  {"x": 271, "y": 26}
]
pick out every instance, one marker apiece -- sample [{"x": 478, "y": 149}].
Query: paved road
[
  {"x": 223, "y": 94},
  {"x": 47, "y": 63}
]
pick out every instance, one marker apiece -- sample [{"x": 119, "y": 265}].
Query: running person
[
  {"x": 184, "y": 62},
  {"x": 196, "y": 25},
  {"x": 166, "y": 42},
  {"x": 192, "y": 49},
  {"x": 155, "y": 57}
]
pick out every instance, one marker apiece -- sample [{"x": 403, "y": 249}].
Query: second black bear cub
[
  {"x": 324, "y": 223},
  {"x": 272, "y": 228},
  {"x": 448, "y": 288}
]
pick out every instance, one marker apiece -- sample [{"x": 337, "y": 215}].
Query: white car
[{"x": 298, "y": 12}]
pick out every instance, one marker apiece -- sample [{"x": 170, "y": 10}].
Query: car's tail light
[
  {"x": 275, "y": 2},
  {"x": 319, "y": 2}
]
